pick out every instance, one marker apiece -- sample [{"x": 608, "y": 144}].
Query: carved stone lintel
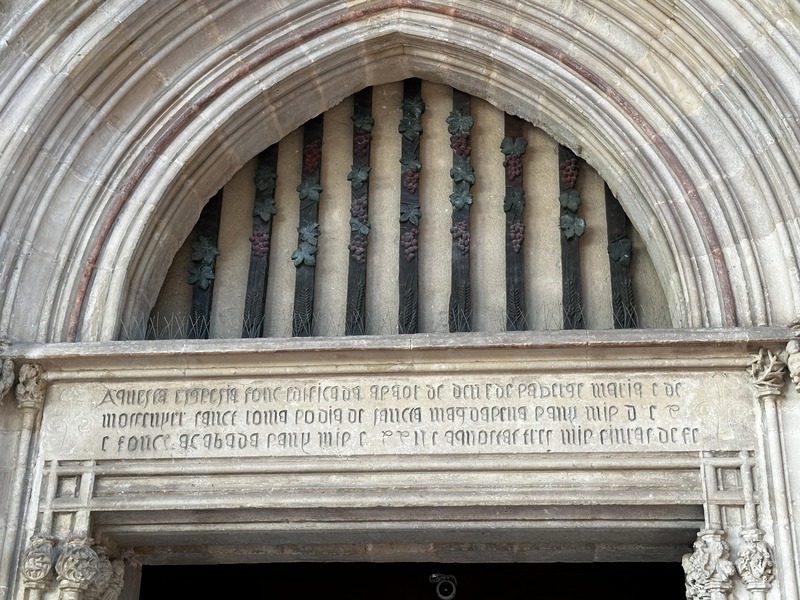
[
  {"x": 754, "y": 562},
  {"x": 36, "y": 567},
  {"x": 708, "y": 569},
  {"x": 6, "y": 377},
  {"x": 767, "y": 373},
  {"x": 77, "y": 567},
  {"x": 30, "y": 388}
]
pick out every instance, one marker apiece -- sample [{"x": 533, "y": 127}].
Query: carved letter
[{"x": 77, "y": 567}]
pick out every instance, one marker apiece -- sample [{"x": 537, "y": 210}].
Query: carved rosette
[
  {"x": 6, "y": 377},
  {"x": 36, "y": 567},
  {"x": 30, "y": 387},
  {"x": 767, "y": 373},
  {"x": 77, "y": 567},
  {"x": 708, "y": 569},
  {"x": 754, "y": 561}
]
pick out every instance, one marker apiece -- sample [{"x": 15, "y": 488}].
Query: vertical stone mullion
[
  {"x": 459, "y": 125},
  {"x": 620, "y": 251},
  {"x": 201, "y": 274},
  {"x": 410, "y": 128},
  {"x": 304, "y": 257},
  {"x": 264, "y": 208},
  {"x": 572, "y": 228},
  {"x": 596, "y": 278},
  {"x": 363, "y": 122},
  {"x": 513, "y": 148}
]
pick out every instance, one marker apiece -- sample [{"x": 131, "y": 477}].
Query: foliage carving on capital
[
  {"x": 36, "y": 566},
  {"x": 708, "y": 568},
  {"x": 105, "y": 572},
  {"x": 78, "y": 564},
  {"x": 767, "y": 372},
  {"x": 30, "y": 387},
  {"x": 754, "y": 561},
  {"x": 6, "y": 377}
]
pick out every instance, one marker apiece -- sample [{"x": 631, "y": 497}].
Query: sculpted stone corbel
[
  {"x": 754, "y": 562},
  {"x": 30, "y": 387},
  {"x": 37, "y": 563},
  {"x": 6, "y": 377},
  {"x": 793, "y": 355},
  {"x": 767, "y": 373},
  {"x": 77, "y": 567},
  {"x": 708, "y": 569}
]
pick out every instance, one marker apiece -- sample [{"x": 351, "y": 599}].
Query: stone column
[
  {"x": 708, "y": 569},
  {"x": 77, "y": 567},
  {"x": 768, "y": 376},
  {"x": 30, "y": 399}
]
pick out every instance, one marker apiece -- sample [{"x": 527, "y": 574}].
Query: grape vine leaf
[
  {"x": 620, "y": 251},
  {"x": 572, "y": 226},
  {"x": 359, "y": 227},
  {"x": 410, "y": 127},
  {"x": 358, "y": 175},
  {"x": 460, "y": 198},
  {"x": 201, "y": 275},
  {"x": 264, "y": 208},
  {"x": 462, "y": 171},
  {"x": 204, "y": 251},
  {"x": 570, "y": 200},
  {"x": 458, "y": 123},
  {"x": 413, "y": 107},
  {"x": 309, "y": 189},
  {"x": 309, "y": 233},
  {"x": 514, "y": 202},
  {"x": 410, "y": 213},
  {"x": 265, "y": 178},
  {"x": 305, "y": 255},
  {"x": 513, "y": 146},
  {"x": 362, "y": 119}
]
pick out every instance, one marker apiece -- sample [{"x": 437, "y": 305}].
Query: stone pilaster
[
  {"x": 709, "y": 571},
  {"x": 77, "y": 567}
]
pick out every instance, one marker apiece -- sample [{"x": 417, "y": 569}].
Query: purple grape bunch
[
  {"x": 568, "y": 171},
  {"x": 460, "y": 145},
  {"x": 358, "y": 248},
  {"x": 460, "y": 235},
  {"x": 409, "y": 243},
  {"x": 411, "y": 180},
  {"x": 259, "y": 242},
  {"x": 513, "y": 165},
  {"x": 516, "y": 233},
  {"x": 312, "y": 154}
]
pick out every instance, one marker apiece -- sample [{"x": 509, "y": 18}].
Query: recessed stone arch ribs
[{"x": 146, "y": 126}]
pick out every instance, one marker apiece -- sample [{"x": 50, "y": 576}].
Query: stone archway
[{"x": 145, "y": 157}]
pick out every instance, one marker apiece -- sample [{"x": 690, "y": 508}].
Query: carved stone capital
[
  {"x": 754, "y": 562},
  {"x": 105, "y": 572},
  {"x": 30, "y": 387},
  {"x": 793, "y": 355},
  {"x": 708, "y": 569},
  {"x": 6, "y": 377},
  {"x": 767, "y": 373},
  {"x": 77, "y": 566},
  {"x": 36, "y": 566}
]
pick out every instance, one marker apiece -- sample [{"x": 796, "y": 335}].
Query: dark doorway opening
[{"x": 396, "y": 581}]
